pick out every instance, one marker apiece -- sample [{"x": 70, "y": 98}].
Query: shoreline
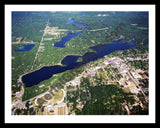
[{"x": 60, "y": 64}]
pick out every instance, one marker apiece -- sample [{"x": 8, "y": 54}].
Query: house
[
  {"x": 18, "y": 94},
  {"x": 136, "y": 75},
  {"x": 31, "y": 106},
  {"x": 88, "y": 75},
  {"x": 40, "y": 86},
  {"x": 97, "y": 67},
  {"x": 21, "y": 106},
  {"x": 134, "y": 90},
  {"x": 106, "y": 62}
]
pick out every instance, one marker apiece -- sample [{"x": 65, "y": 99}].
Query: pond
[
  {"x": 83, "y": 14},
  {"x": 25, "y": 48},
  {"x": 70, "y": 21}
]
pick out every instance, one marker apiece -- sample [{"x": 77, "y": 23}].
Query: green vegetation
[
  {"x": 30, "y": 26},
  {"x": 80, "y": 59},
  {"x": 16, "y": 88},
  {"x": 144, "y": 83},
  {"x": 139, "y": 64},
  {"x": 21, "y": 63},
  {"x": 70, "y": 87},
  {"x": 28, "y": 110},
  {"x": 33, "y": 91},
  {"x": 99, "y": 100},
  {"x": 57, "y": 80},
  {"x": 119, "y": 76},
  {"x": 104, "y": 101}
]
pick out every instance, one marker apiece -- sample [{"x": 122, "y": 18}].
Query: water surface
[
  {"x": 65, "y": 39},
  {"x": 25, "y": 48},
  {"x": 70, "y": 62}
]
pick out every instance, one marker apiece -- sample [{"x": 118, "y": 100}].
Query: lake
[
  {"x": 25, "y": 48},
  {"x": 70, "y": 21},
  {"x": 65, "y": 39},
  {"x": 83, "y": 14},
  {"x": 70, "y": 62}
]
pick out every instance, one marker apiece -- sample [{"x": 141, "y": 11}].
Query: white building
[
  {"x": 18, "y": 94},
  {"x": 31, "y": 106},
  {"x": 136, "y": 75},
  {"x": 98, "y": 67},
  {"x": 106, "y": 62}
]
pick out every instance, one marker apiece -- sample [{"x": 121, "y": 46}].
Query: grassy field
[{"x": 58, "y": 96}]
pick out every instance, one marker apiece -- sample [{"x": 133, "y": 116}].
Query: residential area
[
  {"x": 107, "y": 71},
  {"x": 113, "y": 71}
]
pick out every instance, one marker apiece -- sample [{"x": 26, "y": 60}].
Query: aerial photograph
[{"x": 79, "y": 63}]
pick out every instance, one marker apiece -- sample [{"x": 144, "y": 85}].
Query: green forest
[
  {"x": 101, "y": 100},
  {"x": 30, "y": 26}
]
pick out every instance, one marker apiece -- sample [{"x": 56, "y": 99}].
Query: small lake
[
  {"x": 25, "y": 48},
  {"x": 83, "y": 14},
  {"x": 70, "y": 62},
  {"x": 70, "y": 21},
  {"x": 65, "y": 39}
]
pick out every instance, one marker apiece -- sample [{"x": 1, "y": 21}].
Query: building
[
  {"x": 106, "y": 62},
  {"x": 18, "y": 94},
  {"x": 88, "y": 75},
  {"x": 136, "y": 75},
  {"x": 50, "y": 107},
  {"x": 31, "y": 106},
  {"x": 40, "y": 86}
]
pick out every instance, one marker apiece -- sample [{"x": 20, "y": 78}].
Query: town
[{"x": 73, "y": 97}]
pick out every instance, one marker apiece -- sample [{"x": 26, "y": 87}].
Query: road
[
  {"x": 39, "y": 46},
  {"x": 81, "y": 30},
  {"x": 95, "y": 29},
  {"x": 137, "y": 84},
  {"x": 98, "y": 29},
  {"x": 143, "y": 40}
]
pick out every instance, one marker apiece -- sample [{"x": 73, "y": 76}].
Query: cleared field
[{"x": 61, "y": 110}]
